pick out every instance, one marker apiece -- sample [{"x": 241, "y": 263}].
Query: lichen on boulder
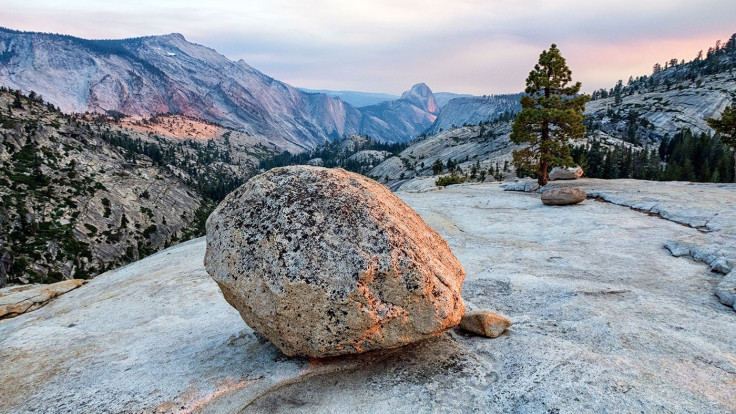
[{"x": 325, "y": 262}]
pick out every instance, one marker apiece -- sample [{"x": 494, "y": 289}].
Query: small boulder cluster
[{"x": 555, "y": 196}]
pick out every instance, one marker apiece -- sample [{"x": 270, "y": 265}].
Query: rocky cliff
[
  {"x": 647, "y": 115},
  {"x": 486, "y": 147},
  {"x": 472, "y": 110},
  {"x": 676, "y": 96},
  {"x": 73, "y": 204},
  {"x": 82, "y": 194}
]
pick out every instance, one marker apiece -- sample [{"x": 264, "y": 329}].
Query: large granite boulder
[
  {"x": 563, "y": 196},
  {"x": 325, "y": 262},
  {"x": 570, "y": 173}
]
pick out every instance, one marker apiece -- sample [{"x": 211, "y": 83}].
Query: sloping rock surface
[
  {"x": 708, "y": 208},
  {"x": 17, "y": 300},
  {"x": 326, "y": 262},
  {"x": 604, "y": 318}
]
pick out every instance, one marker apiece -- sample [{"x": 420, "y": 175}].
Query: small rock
[
  {"x": 570, "y": 173},
  {"x": 563, "y": 196},
  {"x": 316, "y": 162},
  {"x": 485, "y": 323},
  {"x": 527, "y": 186},
  {"x": 726, "y": 290},
  {"x": 325, "y": 262}
]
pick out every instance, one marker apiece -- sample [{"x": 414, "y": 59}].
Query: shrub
[{"x": 450, "y": 180}]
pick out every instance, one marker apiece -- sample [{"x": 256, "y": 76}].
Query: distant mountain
[
  {"x": 470, "y": 111},
  {"x": 166, "y": 74},
  {"x": 403, "y": 119},
  {"x": 443, "y": 98},
  {"x": 355, "y": 98},
  {"x": 361, "y": 99}
]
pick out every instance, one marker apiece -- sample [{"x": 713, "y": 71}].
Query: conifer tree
[
  {"x": 726, "y": 126},
  {"x": 552, "y": 113}
]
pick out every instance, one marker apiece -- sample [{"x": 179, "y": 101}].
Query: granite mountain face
[
  {"x": 408, "y": 116},
  {"x": 470, "y": 110},
  {"x": 74, "y": 202},
  {"x": 167, "y": 74}
]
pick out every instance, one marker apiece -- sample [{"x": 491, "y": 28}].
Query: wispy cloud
[{"x": 387, "y": 45}]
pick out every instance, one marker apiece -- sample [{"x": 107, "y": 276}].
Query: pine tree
[
  {"x": 552, "y": 113},
  {"x": 437, "y": 167},
  {"x": 726, "y": 127}
]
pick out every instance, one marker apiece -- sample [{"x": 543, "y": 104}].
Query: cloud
[{"x": 387, "y": 45}]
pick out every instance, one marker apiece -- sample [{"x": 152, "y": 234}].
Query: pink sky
[{"x": 463, "y": 46}]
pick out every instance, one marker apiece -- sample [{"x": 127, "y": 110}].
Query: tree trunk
[
  {"x": 543, "y": 153},
  {"x": 542, "y": 180}
]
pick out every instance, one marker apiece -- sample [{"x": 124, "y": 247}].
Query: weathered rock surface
[
  {"x": 527, "y": 185},
  {"x": 726, "y": 290},
  {"x": 570, "y": 173},
  {"x": 486, "y": 323},
  {"x": 563, "y": 196},
  {"x": 17, "y": 300},
  {"x": 709, "y": 208},
  {"x": 325, "y": 262},
  {"x": 668, "y": 108},
  {"x": 603, "y": 317},
  {"x": 370, "y": 156}
]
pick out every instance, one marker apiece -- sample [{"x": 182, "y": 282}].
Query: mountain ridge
[{"x": 150, "y": 75}]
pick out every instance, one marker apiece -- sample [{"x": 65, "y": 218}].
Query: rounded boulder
[
  {"x": 563, "y": 196},
  {"x": 570, "y": 173},
  {"x": 325, "y": 262}
]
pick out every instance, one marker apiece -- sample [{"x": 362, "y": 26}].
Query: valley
[{"x": 182, "y": 115}]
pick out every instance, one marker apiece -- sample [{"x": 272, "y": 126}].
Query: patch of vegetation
[
  {"x": 92, "y": 229},
  {"x": 684, "y": 157},
  {"x": 451, "y": 179},
  {"x": 197, "y": 226},
  {"x": 106, "y": 205}
]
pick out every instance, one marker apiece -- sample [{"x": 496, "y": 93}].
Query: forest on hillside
[{"x": 719, "y": 58}]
